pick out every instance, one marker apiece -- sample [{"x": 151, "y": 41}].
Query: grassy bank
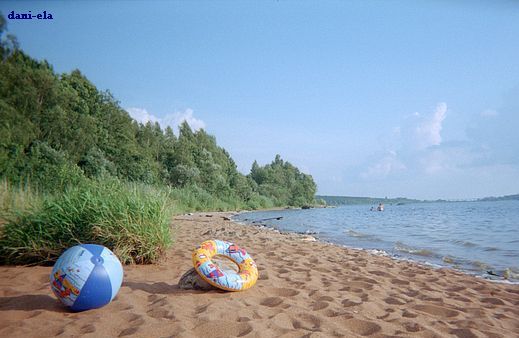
[{"x": 132, "y": 219}]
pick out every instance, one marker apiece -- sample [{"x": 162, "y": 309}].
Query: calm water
[{"x": 475, "y": 237}]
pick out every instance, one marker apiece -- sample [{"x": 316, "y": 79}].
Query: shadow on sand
[
  {"x": 164, "y": 288},
  {"x": 31, "y": 303}
]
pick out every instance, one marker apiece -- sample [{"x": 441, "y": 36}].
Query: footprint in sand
[
  {"x": 161, "y": 313},
  {"x": 349, "y": 303},
  {"x": 271, "y": 301},
  {"x": 337, "y": 313},
  {"x": 456, "y": 288},
  {"x": 431, "y": 299},
  {"x": 156, "y": 307},
  {"x": 313, "y": 260},
  {"x": 411, "y": 293},
  {"x": 362, "y": 327},
  {"x": 325, "y": 299},
  {"x": 408, "y": 274},
  {"x": 379, "y": 273},
  {"x": 263, "y": 276},
  {"x": 462, "y": 333},
  {"x": 393, "y": 301},
  {"x": 300, "y": 269},
  {"x": 408, "y": 314},
  {"x": 493, "y": 301},
  {"x": 157, "y": 301},
  {"x": 399, "y": 281},
  {"x": 282, "y": 292},
  {"x": 434, "y": 310},
  {"x": 89, "y": 328},
  {"x": 412, "y": 327},
  {"x": 326, "y": 282},
  {"x": 201, "y": 309},
  {"x": 319, "y": 306},
  {"x": 307, "y": 322},
  {"x": 365, "y": 279},
  {"x": 323, "y": 270},
  {"x": 128, "y": 331},
  {"x": 220, "y": 328},
  {"x": 136, "y": 319}
]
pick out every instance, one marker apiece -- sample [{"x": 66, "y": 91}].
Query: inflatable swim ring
[{"x": 246, "y": 276}]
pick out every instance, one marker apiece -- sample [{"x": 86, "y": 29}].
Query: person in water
[{"x": 380, "y": 207}]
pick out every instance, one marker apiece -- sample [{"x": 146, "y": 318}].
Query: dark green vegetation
[
  {"x": 77, "y": 168},
  {"x": 342, "y": 200}
]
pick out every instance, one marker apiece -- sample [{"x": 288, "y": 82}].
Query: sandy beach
[{"x": 305, "y": 289}]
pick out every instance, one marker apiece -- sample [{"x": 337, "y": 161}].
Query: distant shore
[{"x": 306, "y": 288}]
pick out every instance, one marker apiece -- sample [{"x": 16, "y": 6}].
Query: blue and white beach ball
[{"x": 86, "y": 276}]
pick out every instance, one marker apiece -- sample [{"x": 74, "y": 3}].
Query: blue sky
[{"x": 373, "y": 98}]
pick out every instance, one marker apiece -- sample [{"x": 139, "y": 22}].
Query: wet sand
[{"x": 305, "y": 289}]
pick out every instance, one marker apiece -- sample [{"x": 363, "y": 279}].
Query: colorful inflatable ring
[{"x": 246, "y": 276}]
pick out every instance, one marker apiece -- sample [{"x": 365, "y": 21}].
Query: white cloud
[
  {"x": 410, "y": 147},
  {"x": 434, "y": 162},
  {"x": 172, "y": 120},
  {"x": 428, "y": 132},
  {"x": 387, "y": 165},
  {"x": 142, "y": 115},
  {"x": 176, "y": 119}
]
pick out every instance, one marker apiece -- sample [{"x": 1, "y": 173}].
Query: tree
[
  {"x": 283, "y": 183},
  {"x": 59, "y": 128}
]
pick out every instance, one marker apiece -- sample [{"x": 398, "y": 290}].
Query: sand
[{"x": 305, "y": 289}]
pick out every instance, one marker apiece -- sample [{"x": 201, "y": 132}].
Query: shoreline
[
  {"x": 382, "y": 253},
  {"x": 429, "y": 258},
  {"x": 305, "y": 289}
]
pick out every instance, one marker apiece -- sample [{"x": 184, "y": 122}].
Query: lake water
[{"x": 480, "y": 238}]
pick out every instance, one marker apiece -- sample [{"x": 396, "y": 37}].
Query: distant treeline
[
  {"x": 343, "y": 200},
  {"x": 350, "y": 200},
  {"x": 59, "y": 128},
  {"x": 501, "y": 198}
]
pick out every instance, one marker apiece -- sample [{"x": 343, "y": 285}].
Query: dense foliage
[
  {"x": 57, "y": 129},
  {"x": 59, "y": 133},
  {"x": 283, "y": 183}
]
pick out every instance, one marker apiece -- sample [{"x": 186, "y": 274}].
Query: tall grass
[
  {"x": 18, "y": 197},
  {"x": 131, "y": 220},
  {"x": 194, "y": 198},
  {"x": 197, "y": 199}
]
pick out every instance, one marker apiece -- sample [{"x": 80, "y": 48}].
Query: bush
[
  {"x": 49, "y": 169},
  {"x": 130, "y": 220},
  {"x": 260, "y": 202}
]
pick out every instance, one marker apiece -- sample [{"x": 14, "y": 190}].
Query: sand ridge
[{"x": 305, "y": 289}]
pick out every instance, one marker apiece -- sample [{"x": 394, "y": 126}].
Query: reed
[
  {"x": 131, "y": 220},
  {"x": 18, "y": 197}
]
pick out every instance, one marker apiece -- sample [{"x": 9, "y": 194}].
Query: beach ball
[{"x": 86, "y": 276}]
